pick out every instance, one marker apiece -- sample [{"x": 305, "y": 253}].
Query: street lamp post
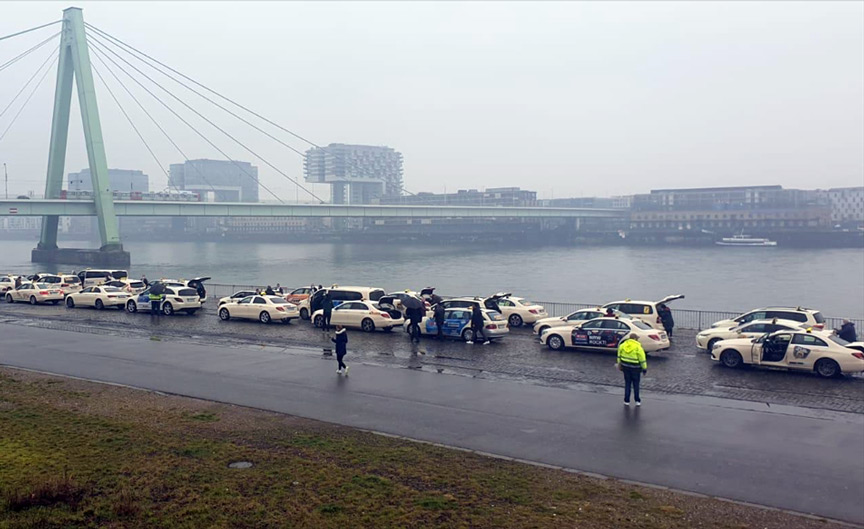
[{"x": 6, "y": 175}]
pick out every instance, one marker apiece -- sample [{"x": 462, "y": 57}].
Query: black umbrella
[
  {"x": 157, "y": 288},
  {"x": 411, "y": 302}
]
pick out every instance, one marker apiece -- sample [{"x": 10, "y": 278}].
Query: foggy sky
[{"x": 568, "y": 99}]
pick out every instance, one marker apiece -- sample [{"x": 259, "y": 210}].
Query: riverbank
[{"x": 92, "y": 455}]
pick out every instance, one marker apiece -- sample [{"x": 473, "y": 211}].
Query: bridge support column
[{"x": 75, "y": 64}]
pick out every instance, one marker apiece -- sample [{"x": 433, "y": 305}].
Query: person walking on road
[
  {"x": 665, "y": 314},
  {"x": 632, "y": 362},
  {"x": 847, "y": 331},
  {"x": 439, "y": 320},
  {"x": 477, "y": 323},
  {"x": 327, "y": 307},
  {"x": 414, "y": 316},
  {"x": 341, "y": 341}
]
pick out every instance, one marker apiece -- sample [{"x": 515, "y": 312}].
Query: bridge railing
[{"x": 684, "y": 318}]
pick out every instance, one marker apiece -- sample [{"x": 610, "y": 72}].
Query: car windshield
[
  {"x": 42, "y": 285},
  {"x": 494, "y": 316},
  {"x": 818, "y": 317},
  {"x": 524, "y": 301},
  {"x": 187, "y": 292},
  {"x": 111, "y": 289},
  {"x": 71, "y": 279},
  {"x": 276, "y": 300},
  {"x": 377, "y": 306},
  {"x": 839, "y": 341},
  {"x": 641, "y": 325}
]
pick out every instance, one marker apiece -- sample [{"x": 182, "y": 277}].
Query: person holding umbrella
[
  {"x": 157, "y": 291},
  {"x": 414, "y": 311}
]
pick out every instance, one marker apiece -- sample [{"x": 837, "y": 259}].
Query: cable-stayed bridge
[{"x": 130, "y": 70}]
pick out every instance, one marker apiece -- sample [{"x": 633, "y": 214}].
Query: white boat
[{"x": 745, "y": 240}]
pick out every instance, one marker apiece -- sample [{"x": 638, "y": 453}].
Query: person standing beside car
[
  {"x": 155, "y": 303},
  {"x": 666, "y": 320},
  {"x": 477, "y": 323},
  {"x": 633, "y": 363},
  {"x": 439, "y": 320},
  {"x": 847, "y": 331},
  {"x": 327, "y": 307}
]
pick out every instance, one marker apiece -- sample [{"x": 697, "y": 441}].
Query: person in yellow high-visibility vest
[{"x": 632, "y": 362}]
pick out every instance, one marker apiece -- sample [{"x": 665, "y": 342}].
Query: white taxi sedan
[
  {"x": 262, "y": 308},
  {"x": 7, "y": 283},
  {"x": 98, "y": 297},
  {"x": 457, "y": 324},
  {"x": 35, "y": 293},
  {"x": 826, "y": 354},
  {"x": 364, "y": 315},
  {"x": 237, "y": 296},
  {"x": 520, "y": 310},
  {"x": 579, "y": 316},
  {"x": 605, "y": 334},
  {"x": 707, "y": 338}
]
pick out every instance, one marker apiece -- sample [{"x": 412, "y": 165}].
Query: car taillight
[
  {"x": 43, "y": 292},
  {"x": 64, "y": 285},
  {"x": 654, "y": 337},
  {"x": 819, "y": 326},
  {"x": 491, "y": 326},
  {"x": 859, "y": 356},
  {"x": 533, "y": 311},
  {"x": 658, "y": 319},
  {"x": 280, "y": 309},
  {"x": 384, "y": 315},
  {"x": 178, "y": 300}
]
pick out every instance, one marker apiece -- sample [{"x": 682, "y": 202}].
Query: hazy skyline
[{"x": 570, "y": 99}]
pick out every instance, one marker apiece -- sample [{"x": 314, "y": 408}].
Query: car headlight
[{"x": 717, "y": 345}]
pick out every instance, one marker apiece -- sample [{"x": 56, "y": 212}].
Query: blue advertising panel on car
[{"x": 598, "y": 337}]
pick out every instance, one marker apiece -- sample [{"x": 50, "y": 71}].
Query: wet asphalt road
[
  {"x": 784, "y": 456},
  {"x": 683, "y": 369}
]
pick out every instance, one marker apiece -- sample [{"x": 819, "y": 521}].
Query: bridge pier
[{"x": 90, "y": 257}]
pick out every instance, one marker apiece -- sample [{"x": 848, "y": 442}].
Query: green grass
[{"x": 78, "y": 454}]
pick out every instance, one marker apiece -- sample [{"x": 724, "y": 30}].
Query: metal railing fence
[{"x": 684, "y": 318}]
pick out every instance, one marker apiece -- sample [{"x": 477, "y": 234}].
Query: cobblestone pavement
[{"x": 682, "y": 369}]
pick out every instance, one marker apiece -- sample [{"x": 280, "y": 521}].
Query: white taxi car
[
  {"x": 8, "y": 282},
  {"x": 644, "y": 310},
  {"x": 35, "y": 293},
  {"x": 707, "y": 338},
  {"x": 68, "y": 282},
  {"x": 262, "y": 308},
  {"x": 174, "y": 299},
  {"x": 604, "y": 333},
  {"x": 457, "y": 324},
  {"x": 364, "y": 315},
  {"x": 519, "y": 310},
  {"x": 237, "y": 296},
  {"x": 575, "y": 317},
  {"x": 132, "y": 286},
  {"x": 806, "y": 317},
  {"x": 826, "y": 354},
  {"x": 99, "y": 297}
]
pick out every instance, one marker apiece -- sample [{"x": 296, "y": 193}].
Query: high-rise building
[
  {"x": 357, "y": 174},
  {"x": 122, "y": 180},
  {"x": 847, "y": 204},
  {"x": 218, "y": 180}
]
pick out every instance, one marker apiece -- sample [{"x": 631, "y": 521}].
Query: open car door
[{"x": 673, "y": 297}]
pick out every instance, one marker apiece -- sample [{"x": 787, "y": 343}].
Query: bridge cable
[
  {"x": 31, "y": 29},
  {"x": 39, "y": 69},
  {"x": 141, "y": 106},
  {"x": 295, "y": 182},
  {"x": 129, "y": 119},
  {"x": 25, "y": 53},
  {"x": 35, "y": 88},
  {"x": 178, "y": 116},
  {"x": 217, "y": 127},
  {"x": 118, "y": 43}
]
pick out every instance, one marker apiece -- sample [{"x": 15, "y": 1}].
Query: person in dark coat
[
  {"x": 327, "y": 307},
  {"x": 17, "y": 282},
  {"x": 341, "y": 341},
  {"x": 665, "y": 314},
  {"x": 847, "y": 331},
  {"x": 414, "y": 314},
  {"x": 145, "y": 280},
  {"x": 439, "y": 320},
  {"x": 269, "y": 291},
  {"x": 477, "y": 323}
]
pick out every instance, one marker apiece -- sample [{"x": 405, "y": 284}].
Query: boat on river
[{"x": 745, "y": 240}]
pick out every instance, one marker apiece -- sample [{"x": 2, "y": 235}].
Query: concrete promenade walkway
[{"x": 793, "y": 458}]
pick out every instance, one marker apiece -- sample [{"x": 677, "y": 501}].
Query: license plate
[
  {"x": 54, "y": 292},
  {"x": 191, "y": 300}
]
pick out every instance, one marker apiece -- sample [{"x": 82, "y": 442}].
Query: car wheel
[
  {"x": 367, "y": 325},
  {"x": 264, "y": 317},
  {"x": 99, "y": 305},
  {"x": 304, "y": 314},
  {"x": 468, "y": 335},
  {"x": 32, "y": 300},
  {"x": 515, "y": 320},
  {"x": 131, "y": 307},
  {"x": 827, "y": 368},
  {"x": 319, "y": 321},
  {"x": 731, "y": 358},
  {"x": 167, "y": 309},
  {"x": 224, "y": 315},
  {"x": 711, "y": 343},
  {"x": 70, "y": 303},
  {"x": 555, "y": 342},
  {"x": 9, "y": 298}
]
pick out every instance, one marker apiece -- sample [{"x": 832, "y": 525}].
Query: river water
[{"x": 712, "y": 278}]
